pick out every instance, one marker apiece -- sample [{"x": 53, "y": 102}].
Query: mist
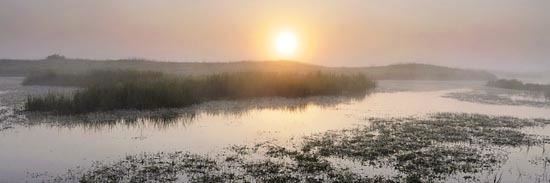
[
  {"x": 274, "y": 91},
  {"x": 494, "y": 35}
]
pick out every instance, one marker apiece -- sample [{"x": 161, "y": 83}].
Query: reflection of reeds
[
  {"x": 497, "y": 178},
  {"x": 160, "y": 119},
  {"x": 165, "y": 118},
  {"x": 109, "y": 90}
]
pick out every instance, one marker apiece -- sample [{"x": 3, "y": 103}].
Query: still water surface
[{"x": 49, "y": 145}]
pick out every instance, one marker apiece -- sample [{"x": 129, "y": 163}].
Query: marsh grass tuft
[{"x": 110, "y": 90}]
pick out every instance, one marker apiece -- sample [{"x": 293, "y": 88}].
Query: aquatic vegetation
[
  {"x": 167, "y": 117},
  {"x": 159, "y": 167},
  {"x": 414, "y": 146},
  {"x": 186, "y": 167},
  {"x": 9, "y": 118},
  {"x": 110, "y": 90},
  {"x": 501, "y": 97},
  {"x": 386, "y": 137},
  {"x": 438, "y": 162},
  {"x": 429, "y": 149}
]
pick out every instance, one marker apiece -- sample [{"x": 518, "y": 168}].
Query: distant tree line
[
  {"x": 61, "y": 64},
  {"x": 518, "y": 85},
  {"x": 56, "y": 57}
]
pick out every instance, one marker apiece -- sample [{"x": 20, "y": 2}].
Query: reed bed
[{"x": 110, "y": 90}]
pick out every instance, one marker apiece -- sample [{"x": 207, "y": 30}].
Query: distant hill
[
  {"x": 413, "y": 71},
  {"x": 23, "y": 67},
  {"x": 393, "y": 72}
]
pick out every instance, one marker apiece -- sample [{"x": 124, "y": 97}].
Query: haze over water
[
  {"x": 274, "y": 91},
  {"x": 492, "y": 34}
]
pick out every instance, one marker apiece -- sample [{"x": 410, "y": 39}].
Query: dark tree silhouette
[
  {"x": 55, "y": 57},
  {"x": 515, "y": 84}
]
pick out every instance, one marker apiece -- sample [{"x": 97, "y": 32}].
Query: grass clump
[{"x": 109, "y": 90}]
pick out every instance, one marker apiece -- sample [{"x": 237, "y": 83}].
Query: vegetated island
[
  {"x": 126, "y": 89},
  {"x": 407, "y": 71},
  {"x": 515, "y": 84}
]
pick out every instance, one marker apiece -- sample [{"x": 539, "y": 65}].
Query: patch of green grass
[{"x": 109, "y": 90}]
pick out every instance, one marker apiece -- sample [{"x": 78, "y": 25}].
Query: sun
[{"x": 286, "y": 44}]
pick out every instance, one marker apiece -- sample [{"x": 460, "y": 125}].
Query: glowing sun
[{"x": 286, "y": 44}]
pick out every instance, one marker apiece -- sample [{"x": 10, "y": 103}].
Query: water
[{"x": 49, "y": 145}]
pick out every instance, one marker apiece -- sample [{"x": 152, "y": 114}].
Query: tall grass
[{"x": 109, "y": 90}]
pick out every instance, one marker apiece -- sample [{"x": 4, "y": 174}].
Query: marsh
[
  {"x": 258, "y": 134},
  {"x": 299, "y": 91}
]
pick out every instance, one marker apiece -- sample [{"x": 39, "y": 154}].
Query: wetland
[{"x": 403, "y": 131}]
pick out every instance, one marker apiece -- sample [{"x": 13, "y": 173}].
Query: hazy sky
[{"x": 503, "y": 34}]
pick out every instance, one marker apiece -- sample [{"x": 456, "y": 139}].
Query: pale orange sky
[{"x": 501, "y": 34}]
